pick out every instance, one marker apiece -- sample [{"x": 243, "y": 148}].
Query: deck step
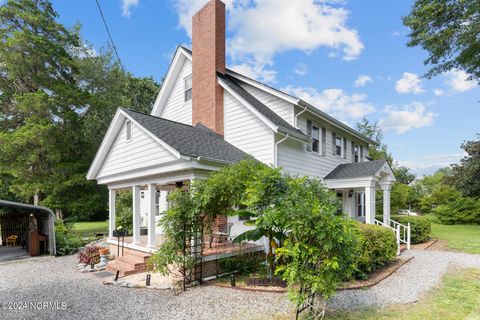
[
  {"x": 123, "y": 268},
  {"x": 132, "y": 261}
]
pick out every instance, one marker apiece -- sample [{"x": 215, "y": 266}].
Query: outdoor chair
[
  {"x": 12, "y": 240},
  {"x": 221, "y": 236}
]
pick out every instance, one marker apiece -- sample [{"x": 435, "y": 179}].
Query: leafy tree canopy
[{"x": 448, "y": 30}]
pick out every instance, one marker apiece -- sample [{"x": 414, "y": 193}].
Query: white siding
[
  {"x": 176, "y": 109},
  {"x": 294, "y": 159},
  {"x": 246, "y": 131},
  {"x": 281, "y": 107},
  {"x": 140, "y": 152}
]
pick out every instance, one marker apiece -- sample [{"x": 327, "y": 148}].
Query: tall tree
[
  {"x": 56, "y": 102},
  {"x": 448, "y": 30},
  {"x": 466, "y": 175},
  {"x": 373, "y": 131},
  {"x": 38, "y": 94}
]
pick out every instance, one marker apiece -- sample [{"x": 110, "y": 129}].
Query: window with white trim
[
  {"x": 128, "y": 130},
  {"x": 313, "y": 132},
  {"x": 360, "y": 204},
  {"x": 338, "y": 146},
  {"x": 356, "y": 153},
  {"x": 188, "y": 89}
]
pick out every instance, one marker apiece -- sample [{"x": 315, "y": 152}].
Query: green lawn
[
  {"x": 457, "y": 298},
  {"x": 459, "y": 237},
  {"x": 90, "y": 228}
]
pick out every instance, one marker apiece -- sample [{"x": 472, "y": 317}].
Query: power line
[{"x": 110, "y": 35}]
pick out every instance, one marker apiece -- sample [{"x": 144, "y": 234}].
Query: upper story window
[
  {"x": 356, "y": 153},
  {"x": 338, "y": 146},
  {"x": 188, "y": 89},
  {"x": 128, "y": 130},
  {"x": 314, "y": 133}
]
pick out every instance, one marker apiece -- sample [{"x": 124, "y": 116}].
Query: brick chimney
[{"x": 208, "y": 57}]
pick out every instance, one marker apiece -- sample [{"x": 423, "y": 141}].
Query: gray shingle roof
[
  {"x": 198, "y": 141},
  {"x": 354, "y": 170},
  {"x": 283, "y": 125}
]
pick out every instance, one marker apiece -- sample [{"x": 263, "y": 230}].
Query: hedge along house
[{"x": 207, "y": 116}]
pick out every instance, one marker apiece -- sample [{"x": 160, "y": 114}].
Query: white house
[{"x": 207, "y": 116}]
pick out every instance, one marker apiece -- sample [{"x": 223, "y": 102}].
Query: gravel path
[
  {"x": 56, "y": 280},
  {"x": 409, "y": 282}
]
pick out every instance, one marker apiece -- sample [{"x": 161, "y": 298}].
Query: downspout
[
  {"x": 296, "y": 116},
  {"x": 275, "y": 155}
]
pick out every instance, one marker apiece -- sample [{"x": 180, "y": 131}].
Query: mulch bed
[
  {"x": 265, "y": 285},
  {"x": 375, "y": 277}
]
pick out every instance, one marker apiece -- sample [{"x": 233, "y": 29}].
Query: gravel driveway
[
  {"x": 409, "y": 282},
  {"x": 56, "y": 280}
]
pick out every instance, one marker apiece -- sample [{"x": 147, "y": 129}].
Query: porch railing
[{"x": 402, "y": 232}]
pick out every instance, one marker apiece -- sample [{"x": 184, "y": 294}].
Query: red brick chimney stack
[{"x": 208, "y": 57}]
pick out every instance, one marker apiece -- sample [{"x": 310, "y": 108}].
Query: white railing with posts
[{"x": 402, "y": 232}]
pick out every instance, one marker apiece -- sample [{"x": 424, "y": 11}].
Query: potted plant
[{"x": 120, "y": 232}]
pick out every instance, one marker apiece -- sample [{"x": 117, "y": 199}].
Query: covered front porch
[{"x": 357, "y": 184}]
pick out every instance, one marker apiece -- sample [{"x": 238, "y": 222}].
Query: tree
[
  {"x": 403, "y": 174},
  {"x": 448, "y": 30},
  {"x": 57, "y": 100},
  {"x": 39, "y": 96},
  {"x": 374, "y": 132},
  {"x": 466, "y": 175}
]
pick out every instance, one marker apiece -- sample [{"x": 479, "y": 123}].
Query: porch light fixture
[
  {"x": 142, "y": 195},
  {"x": 350, "y": 193}
]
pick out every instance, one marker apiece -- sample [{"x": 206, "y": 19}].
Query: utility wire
[{"x": 110, "y": 35}]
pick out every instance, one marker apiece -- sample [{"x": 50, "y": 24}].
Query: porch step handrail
[{"x": 402, "y": 232}]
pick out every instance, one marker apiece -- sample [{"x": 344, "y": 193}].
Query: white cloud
[
  {"x": 127, "y": 5},
  {"x": 438, "y": 92},
  {"x": 334, "y": 101},
  {"x": 362, "y": 80},
  {"x": 458, "y": 80},
  {"x": 428, "y": 164},
  {"x": 301, "y": 69},
  {"x": 410, "y": 116},
  {"x": 251, "y": 71},
  {"x": 409, "y": 83},
  {"x": 262, "y": 28}
]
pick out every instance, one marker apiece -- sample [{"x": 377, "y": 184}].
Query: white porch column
[
  {"x": 136, "y": 214},
  {"x": 370, "y": 204},
  {"x": 112, "y": 195},
  {"x": 151, "y": 194},
  {"x": 386, "y": 187}
]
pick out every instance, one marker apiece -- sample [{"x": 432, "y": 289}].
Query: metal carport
[{"x": 32, "y": 208}]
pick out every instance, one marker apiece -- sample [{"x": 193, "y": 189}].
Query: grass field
[
  {"x": 459, "y": 237},
  {"x": 90, "y": 228}
]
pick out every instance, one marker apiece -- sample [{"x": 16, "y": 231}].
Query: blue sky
[{"x": 348, "y": 58}]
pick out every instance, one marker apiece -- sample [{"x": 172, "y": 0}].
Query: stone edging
[{"x": 432, "y": 242}]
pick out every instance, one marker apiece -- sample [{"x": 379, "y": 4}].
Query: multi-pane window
[
  {"x": 360, "y": 204},
  {"x": 188, "y": 89},
  {"x": 338, "y": 146},
  {"x": 355, "y": 154},
  {"x": 314, "y": 133},
  {"x": 324, "y": 142},
  {"x": 128, "y": 130}
]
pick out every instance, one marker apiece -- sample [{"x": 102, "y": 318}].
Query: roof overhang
[{"x": 383, "y": 176}]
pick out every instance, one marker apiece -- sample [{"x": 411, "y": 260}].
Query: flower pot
[{"x": 103, "y": 251}]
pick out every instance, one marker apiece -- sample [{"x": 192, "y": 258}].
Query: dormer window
[
  {"x": 128, "y": 130},
  {"x": 188, "y": 89}
]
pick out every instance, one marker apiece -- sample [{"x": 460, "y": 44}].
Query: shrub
[
  {"x": 67, "y": 242},
  {"x": 464, "y": 210},
  {"x": 378, "y": 247},
  {"x": 243, "y": 263},
  {"x": 420, "y": 227},
  {"x": 89, "y": 255}
]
